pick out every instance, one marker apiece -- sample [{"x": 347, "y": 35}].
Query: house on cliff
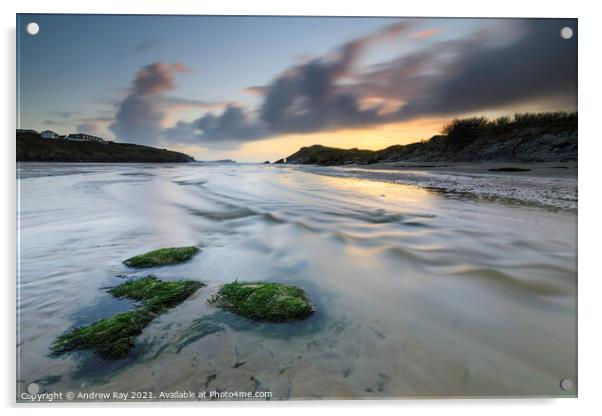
[
  {"x": 81, "y": 137},
  {"x": 49, "y": 134}
]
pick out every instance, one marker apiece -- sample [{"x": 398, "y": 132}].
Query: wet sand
[{"x": 544, "y": 169}]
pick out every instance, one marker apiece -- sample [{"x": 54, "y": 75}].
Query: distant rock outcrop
[{"x": 546, "y": 137}]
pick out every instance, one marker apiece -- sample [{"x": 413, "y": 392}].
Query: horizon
[
  {"x": 251, "y": 94},
  {"x": 439, "y": 133}
]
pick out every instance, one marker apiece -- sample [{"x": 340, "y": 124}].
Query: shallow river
[{"x": 418, "y": 292}]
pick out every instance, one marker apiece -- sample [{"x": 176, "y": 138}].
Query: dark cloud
[
  {"x": 226, "y": 130},
  {"x": 539, "y": 66},
  {"x": 139, "y": 115},
  {"x": 475, "y": 73},
  {"x": 303, "y": 98},
  {"x": 232, "y": 123},
  {"x": 307, "y": 97},
  {"x": 500, "y": 64}
]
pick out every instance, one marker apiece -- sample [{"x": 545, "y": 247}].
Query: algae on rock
[
  {"x": 162, "y": 257},
  {"x": 261, "y": 301},
  {"x": 110, "y": 338},
  {"x": 113, "y": 337},
  {"x": 156, "y": 295}
]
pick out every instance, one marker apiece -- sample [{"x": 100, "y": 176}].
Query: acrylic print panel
[{"x": 263, "y": 208}]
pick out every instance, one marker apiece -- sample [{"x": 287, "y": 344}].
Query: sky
[{"x": 259, "y": 88}]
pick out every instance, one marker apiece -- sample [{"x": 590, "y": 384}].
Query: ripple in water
[{"x": 418, "y": 294}]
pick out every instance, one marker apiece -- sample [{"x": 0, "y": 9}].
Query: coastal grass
[
  {"x": 113, "y": 337},
  {"x": 261, "y": 301},
  {"x": 162, "y": 257}
]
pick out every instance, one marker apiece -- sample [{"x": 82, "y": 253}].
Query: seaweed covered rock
[
  {"x": 162, "y": 257},
  {"x": 156, "y": 295},
  {"x": 261, "y": 301},
  {"x": 113, "y": 337},
  {"x": 110, "y": 338}
]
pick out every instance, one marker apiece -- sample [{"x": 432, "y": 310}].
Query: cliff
[
  {"x": 545, "y": 137},
  {"x": 32, "y": 148}
]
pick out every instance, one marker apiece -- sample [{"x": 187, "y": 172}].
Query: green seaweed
[
  {"x": 113, "y": 337},
  {"x": 110, "y": 338},
  {"x": 156, "y": 295},
  {"x": 162, "y": 257},
  {"x": 261, "y": 301}
]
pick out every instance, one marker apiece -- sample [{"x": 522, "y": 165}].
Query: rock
[
  {"x": 113, "y": 337},
  {"x": 162, "y": 257},
  {"x": 110, "y": 338},
  {"x": 261, "y": 301},
  {"x": 156, "y": 295}
]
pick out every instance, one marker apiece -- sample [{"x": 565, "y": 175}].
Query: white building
[
  {"x": 48, "y": 134},
  {"x": 81, "y": 137}
]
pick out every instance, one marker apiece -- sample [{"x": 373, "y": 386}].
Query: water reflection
[{"x": 417, "y": 294}]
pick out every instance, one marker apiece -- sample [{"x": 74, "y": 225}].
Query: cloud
[
  {"x": 500, "y": 64},
  {"x": 83, "y": 124},
  {"x": 156, "y": 78},
  {"x": 98, "y": 119},
  {"x": 177, "y": 103},
  {"x": 144, "y": 46},
  {"x": 63, "y": 114},
  {"x": 307, "y": 97},
  {"x": 539, "y": 66},
  {"x": 427, "y": 33},
  {"x": 55, "y": 123},
  {"x": 256, "y": 90},
  {"x": 87, "y": 127},
  {"x": 139, "y": 116},
  {"x": 226, "y": 130},
  {"x": 473, "y": 73},
  {"x": 301, "y": 99}
]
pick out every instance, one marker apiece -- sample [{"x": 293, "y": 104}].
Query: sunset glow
[{"x": 251, "y": 94}]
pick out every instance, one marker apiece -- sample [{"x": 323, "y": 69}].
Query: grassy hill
[
  {"x": 32, "y": 148},
  {"x": 541, "y": 137}
]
